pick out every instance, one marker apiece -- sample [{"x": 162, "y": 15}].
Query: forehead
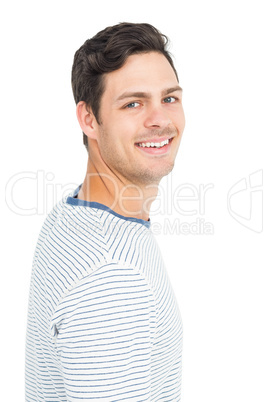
[{"x": 148, "y": 72}]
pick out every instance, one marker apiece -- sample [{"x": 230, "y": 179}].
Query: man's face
[{"x": 142, "y": 119}]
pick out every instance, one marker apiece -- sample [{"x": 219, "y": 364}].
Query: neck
[{"x": 125, "y": 198}]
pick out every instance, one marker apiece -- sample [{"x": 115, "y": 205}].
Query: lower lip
[{"x": 154, "y": 150}]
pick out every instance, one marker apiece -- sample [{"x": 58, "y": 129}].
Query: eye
[
  {"x": 170, "y": 99},
  {"x": 132, "y": 105}
]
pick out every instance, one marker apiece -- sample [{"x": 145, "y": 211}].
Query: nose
[{"x": 156, "y": 117}]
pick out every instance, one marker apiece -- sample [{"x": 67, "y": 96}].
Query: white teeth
[{"x": 153, "y": 144}]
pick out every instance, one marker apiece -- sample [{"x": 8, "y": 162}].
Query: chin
[
  {"x": 166, "y": 170},
  {"x": 154, "y": 176}
]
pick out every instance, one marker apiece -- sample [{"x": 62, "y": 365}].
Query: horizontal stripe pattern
[{"x": 103, "y": 322}]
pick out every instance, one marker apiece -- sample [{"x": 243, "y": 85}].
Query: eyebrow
[{"x": 139, "y": 94}]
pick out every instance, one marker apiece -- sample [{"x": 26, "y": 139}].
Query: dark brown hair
[{"x": 107, "y": 51}]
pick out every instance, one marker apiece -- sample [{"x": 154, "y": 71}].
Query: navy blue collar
[{"x": 73, "y": 200}]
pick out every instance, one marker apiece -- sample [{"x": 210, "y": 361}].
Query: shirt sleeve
[{"x": 103, "y": 331}]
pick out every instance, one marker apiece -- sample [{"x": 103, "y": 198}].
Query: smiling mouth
[{"x": 154, "y": 144}]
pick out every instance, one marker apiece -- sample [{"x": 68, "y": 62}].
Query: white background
[{"x": 220, "y": 279}]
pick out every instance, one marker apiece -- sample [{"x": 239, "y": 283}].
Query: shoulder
[{"x": 111, "y": 294}]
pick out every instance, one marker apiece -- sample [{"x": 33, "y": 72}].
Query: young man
[{"x": 103, "y": 321}]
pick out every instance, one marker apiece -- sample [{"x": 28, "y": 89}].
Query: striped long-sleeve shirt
[{"x": 103, "y": 322}]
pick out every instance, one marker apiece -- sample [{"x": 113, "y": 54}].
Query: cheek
[
  {"x": 182, "y": 117},
  {"x": 110, "y": 142},
  {"x": 179, "y": 120},
  {"x": 119, "y": 133}
]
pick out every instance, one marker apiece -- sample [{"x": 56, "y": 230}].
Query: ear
[{"x": 87, "y": 120}]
